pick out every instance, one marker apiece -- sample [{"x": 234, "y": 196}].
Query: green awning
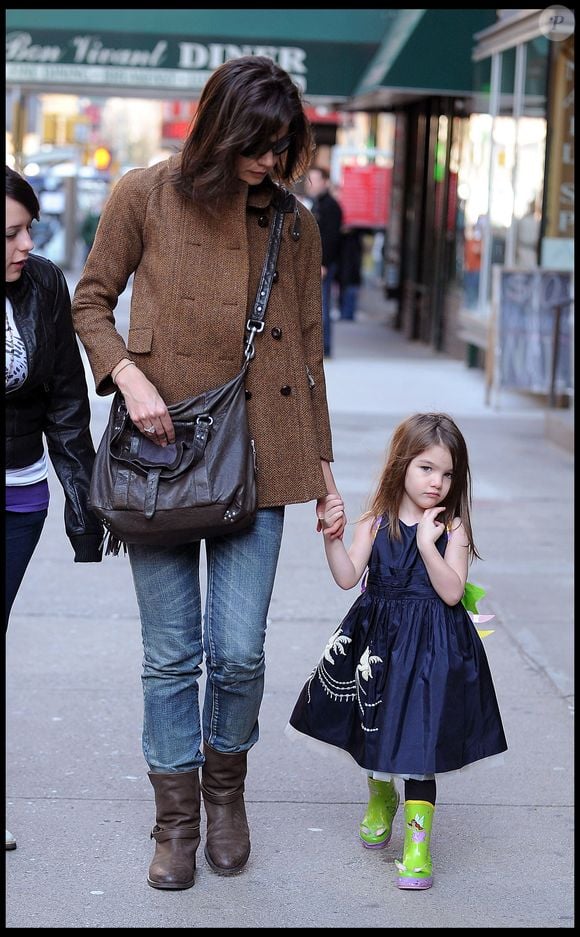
[
  {"x": 171, "y": 53},
  {"x": 423, "y": 53}
]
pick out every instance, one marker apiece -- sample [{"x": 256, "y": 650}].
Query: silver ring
[{"x": 148, "y": 429}]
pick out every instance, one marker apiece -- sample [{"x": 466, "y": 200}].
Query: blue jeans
[
  {"x": 348, "y": 301},
  {"x": 240, "y": 578},
  {"x": 23, "y": 530}
]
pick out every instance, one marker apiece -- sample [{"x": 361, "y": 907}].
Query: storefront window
[
  {"x": 473, "y": 202},
  {"x": 531, "y": 156},
  {"x": 501, "y": 172},
  {"x": 528, "y": 190}
]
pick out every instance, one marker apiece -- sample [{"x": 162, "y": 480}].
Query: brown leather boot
[
  {"x": 176, "y": 833},
  {"x": 222, "y": 785}
]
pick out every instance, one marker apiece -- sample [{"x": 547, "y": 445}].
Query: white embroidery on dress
[
  {"x": 335, "y": 643},
  {"x": 345, "y": 689}
]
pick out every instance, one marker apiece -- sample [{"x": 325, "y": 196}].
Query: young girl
[{"x": 404, "y": 685}]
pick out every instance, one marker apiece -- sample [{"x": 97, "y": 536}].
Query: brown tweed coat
[{"x": 195, "y": 278}]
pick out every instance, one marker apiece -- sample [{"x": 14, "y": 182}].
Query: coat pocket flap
[{"x": 140, "y": 340}]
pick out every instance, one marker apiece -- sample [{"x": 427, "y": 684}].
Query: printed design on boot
[
  {"x": 418, "y": 835},
  {"x": 416, "y": 868},
  {"x": 339, "y": 690}
]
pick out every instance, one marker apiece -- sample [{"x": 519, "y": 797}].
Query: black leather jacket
[{"x": 53, "y": 400}]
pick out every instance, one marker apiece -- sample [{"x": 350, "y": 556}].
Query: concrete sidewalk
[{"x": 79, "y": 800}]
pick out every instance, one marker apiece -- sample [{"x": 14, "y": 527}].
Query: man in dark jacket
[{"x": 328, "y": 214}]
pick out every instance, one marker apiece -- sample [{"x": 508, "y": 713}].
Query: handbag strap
[{"x": 285, "y": 202}]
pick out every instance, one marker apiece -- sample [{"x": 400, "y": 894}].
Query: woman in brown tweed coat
[{"x": 194, "y": 230}]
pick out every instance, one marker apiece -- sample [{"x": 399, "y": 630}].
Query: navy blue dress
[{"x": 404, "y": 684}]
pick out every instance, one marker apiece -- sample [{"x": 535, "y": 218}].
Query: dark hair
[
  {"x": 244, "y": 102},
  {"x": 410, "y": 439},
  {"x": 21, "y": 191}
]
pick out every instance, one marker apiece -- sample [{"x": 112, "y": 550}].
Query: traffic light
[{"x": 102, "y": 158}]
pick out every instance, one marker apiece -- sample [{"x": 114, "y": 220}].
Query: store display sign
[
  {"x": 526, "y": 304},
  {"x": 365, "y": 195}
]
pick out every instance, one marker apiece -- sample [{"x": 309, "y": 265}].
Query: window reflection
[{"x": 506, "y": 214}]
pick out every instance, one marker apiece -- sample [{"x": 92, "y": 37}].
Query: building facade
[{"x": 452, "y": 134}]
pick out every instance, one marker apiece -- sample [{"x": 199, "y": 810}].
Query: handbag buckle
[{"x": 254, "y": 326}]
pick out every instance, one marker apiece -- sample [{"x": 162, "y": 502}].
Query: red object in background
[
  {"x": 176, "y": 119},
  {"x": 318, "y": 115},
  {"x": 94, "y": 113},
  {"x": 175, "y": 130},
  {"x": 471, "y": 255},
  {"x": 365, "y": 196}
]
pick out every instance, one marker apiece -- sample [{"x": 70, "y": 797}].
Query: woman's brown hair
[
  {"x": 244, "y": 103},
  {"x": 412, "y": 437}
]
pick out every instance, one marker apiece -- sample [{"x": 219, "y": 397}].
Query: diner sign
[{"x": 71, "y": 60}]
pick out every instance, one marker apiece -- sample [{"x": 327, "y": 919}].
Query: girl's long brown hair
[
  {"x": 244, "y": 102},
  {"x": 412, "y": 437}
]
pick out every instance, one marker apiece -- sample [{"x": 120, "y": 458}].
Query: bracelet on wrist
[{"x": 122, "y": 368}]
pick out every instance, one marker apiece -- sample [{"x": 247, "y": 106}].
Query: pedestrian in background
[
  {"x": 404, "y": 685},
  {"x": 194, "y": 231},
  {"x": 46, "y": 400},
  {"x": 349, "y": 275},
  {"x": 328, "y": 213}
]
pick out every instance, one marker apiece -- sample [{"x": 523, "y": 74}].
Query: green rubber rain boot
[
  {"x": 376, "y": 825},
  {"x": 416, "y": 869}
]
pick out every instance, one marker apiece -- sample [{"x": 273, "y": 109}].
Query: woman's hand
[
  {"x": 144, "y": 404},
  {"x": 331, "y": 516},
  {"x": 335, "y": 530}
]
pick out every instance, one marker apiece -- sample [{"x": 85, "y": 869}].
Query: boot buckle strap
[{"x": 180, "y": 832}]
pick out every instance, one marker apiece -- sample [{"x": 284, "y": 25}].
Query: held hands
[
  {"x": 331, "y": 516},
  {"x": 144, "y": 405},
  {"x": 429, "y": 529}
]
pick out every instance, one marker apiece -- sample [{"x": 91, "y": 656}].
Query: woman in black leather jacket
[{"x": 46, "y": 399}]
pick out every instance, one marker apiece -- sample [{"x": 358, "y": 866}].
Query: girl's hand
[
  {"x": 429, "y": 529},
  {"x": 331, "y": 516}
]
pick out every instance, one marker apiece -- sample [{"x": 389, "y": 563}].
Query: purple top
[{"x": 27, "y": 498}]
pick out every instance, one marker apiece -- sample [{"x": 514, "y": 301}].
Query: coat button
[
  {"x": 263, "y": 221},
  {"x": 275, "y": 277},
  {"x": 248, "y": 395},
  {"x": 286, "y": 390},
  {"x": 276, "y": 333}
]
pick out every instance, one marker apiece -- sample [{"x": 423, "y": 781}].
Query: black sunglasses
[{"x": 278, "y": 147}]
